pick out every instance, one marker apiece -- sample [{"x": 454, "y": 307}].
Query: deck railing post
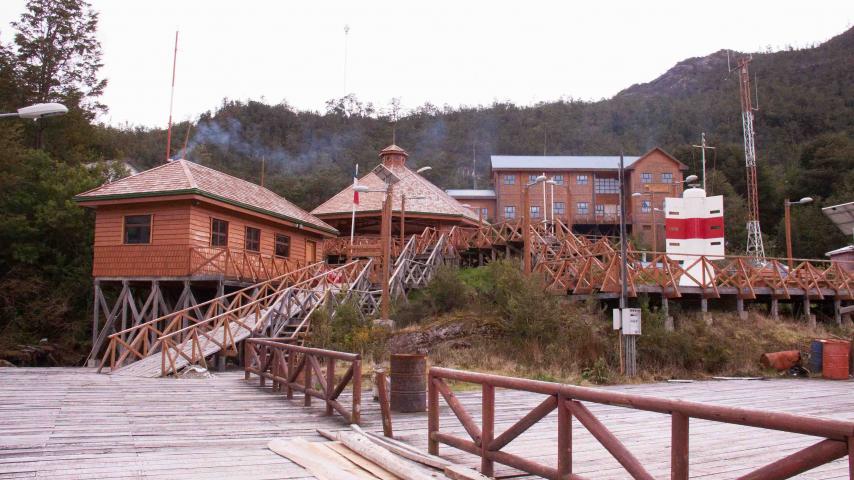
[
  {"x": 432, "y": 415},
  {"x": 330, "y": 384},
  {"x": 564, "y": 438},
  {"x": 356, "y": 415},
  {"x": 679, "y": 446},
  {"x": 292, "y": 365},
  {"x": 307, "y": 371},
  {"x": 246, "y": 346},
  {"x": 487, "y": 430}
]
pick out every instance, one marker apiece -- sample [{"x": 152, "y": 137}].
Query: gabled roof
[
  {"x": 471, "y": 193},
  {"x": 435, "y": 202},
  {"x": 572, "y": 162},
  {"x": 182, "y": 177}
]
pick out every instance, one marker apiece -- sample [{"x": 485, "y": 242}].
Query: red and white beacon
[{"x": 694, "y": 228}]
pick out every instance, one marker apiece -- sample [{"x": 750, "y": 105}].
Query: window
[
  {"x": 583, "y": 208},
  {"x": 484, "y": 212},
  {"x": 647, "y": 227},
  {"x": 607, "y": 185},
  {"x": 509, "y": 212},
  {"x": 283, "y": 245},
  {"x": 581, "y": 179},
  {"x": 646, "y": 177},
  {"x": 253, "y": 239},
  {"x": 599, "y": 209},
  {"x": 532, "y": 178},
  {"x": 646, "y": 206},
  {"x": 667, "y": 177},
  {"x": 712, "y": 212},
  {"x": 509, "y": 179},
  {"x": 535, "y": 211},
  {"x": 558, "y": 179},
  {"x": 138, "y": 229},
  {"x": 558, "y": 208},
  {"x": 219, "y": 233}
]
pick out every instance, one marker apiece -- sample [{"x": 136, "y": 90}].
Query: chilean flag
[{"x": 356, "y": 182}]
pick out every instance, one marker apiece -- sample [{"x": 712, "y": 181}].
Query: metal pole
[
  {"x": 353, "y": 218},
  {"x": 787, "y": 207},
  {"x": 630, "y": 340},
  {"x": 171, "y": 99},
  {"x": 654, "y": 232},
  {"x": 545, "y": 210},
  {"x": 402, "y": 219},
  {"x": 526, "y": 225},
  {"x": 703, "y": 156}
]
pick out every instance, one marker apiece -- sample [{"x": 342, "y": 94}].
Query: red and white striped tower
[{"x": 694, "y": 227}]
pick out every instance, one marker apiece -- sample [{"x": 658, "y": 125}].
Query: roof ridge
[
  {"x": 188, "y": 173},
  {"x": 123, "y": 179}
]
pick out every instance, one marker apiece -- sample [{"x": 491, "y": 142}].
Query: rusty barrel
[
  {"x": 408, "y": 383},
  {"x": 834, "y": 359},
  {"x": 780, "y": 360}
]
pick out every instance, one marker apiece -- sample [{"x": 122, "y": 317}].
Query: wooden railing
[
  {"x": 308, "y": 370},
  {"x": 362, "y": 246},
  {"x": 240, "y": 264},
  {"x": 265, "y": 314},
  {"x": 486, "y": 443},
  {"x": 140, "y": 341}
]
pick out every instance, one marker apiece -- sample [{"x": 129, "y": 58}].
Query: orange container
[
  {"x": 780, "y": 360},
  {"x": 834, "y": 360}
]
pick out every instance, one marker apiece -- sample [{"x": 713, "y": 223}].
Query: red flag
[{"x": 356, "y": 182}]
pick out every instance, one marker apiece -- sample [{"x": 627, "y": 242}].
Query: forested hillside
[{"x": 805, "y": 141}]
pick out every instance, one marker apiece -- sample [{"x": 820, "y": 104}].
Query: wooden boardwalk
[{"x": 67, "y": 423}]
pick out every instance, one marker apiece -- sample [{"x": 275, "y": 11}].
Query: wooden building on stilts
[{"x": 181, "y": 233}]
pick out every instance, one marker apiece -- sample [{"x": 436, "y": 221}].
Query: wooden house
[{"x": 168, "y": 235}]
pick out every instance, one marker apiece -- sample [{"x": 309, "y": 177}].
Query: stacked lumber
[{"x": 356, "y": 455}]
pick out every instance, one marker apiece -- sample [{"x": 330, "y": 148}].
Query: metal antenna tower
[{"x": 755, "y": 248}]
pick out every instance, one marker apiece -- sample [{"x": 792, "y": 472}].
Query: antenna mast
[
  {"x": 755, "y": 248},
  {"x": 703, "y": 146},
  {"x": 171, "y": 98},
  {"x": 474, "y": 166},
  {"x": 346, "y": 37}
]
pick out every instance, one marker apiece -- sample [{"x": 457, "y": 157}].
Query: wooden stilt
[
  {"x": 665, "y": 310},
  {"x": 837, "y": 311},
  {"x": 775, "y": 308},
  {"x": 739, "y": 307},
  {"x": 808, "y": 313}
]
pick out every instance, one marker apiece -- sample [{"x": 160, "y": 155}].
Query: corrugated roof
[
  {"x": 842, "y": 216},
  {"x": 436, "y": 201},
  {"x": 838, "y": 251},
  {"x": 562, "y": 162},
  {"x": 185, "y": 177},
  {"x": 470, "y": 193}
]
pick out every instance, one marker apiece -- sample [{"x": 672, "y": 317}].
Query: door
[{"x": 310, "y": 251}]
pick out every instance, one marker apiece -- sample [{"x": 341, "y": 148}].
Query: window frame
[
  {"x": 609, "y": 186},
  {"x": 510, "y": 209},
  {"x": 646, "y": 177},
  {"x": 646, "y": 206},
  {"x": 276, "y": 245},
  {"x": 586, "y": 209},
  {"x": 669, "y": 177},
  {"x": 484, "y": 212},
  {"x": 559, "y": 211},
  {"x": 558, "y": 179},
  {"x": 509, "y": 179},
  {"x": 246, "y": 230},
  {"x": 226, "y": 222},
  {"x": 536, "y": 208},
  {"x": 582, "y": 180},
  {"x": 599, "y": 209},
  {"x": 532, "y": 178},
  {"x": 125, "y": 228}
]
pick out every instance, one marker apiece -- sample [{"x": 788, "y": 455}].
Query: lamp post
[
  {"x": 787, "y": 206},
  {"x": 526, "y": 223},
  {"x": 403, "y": 198},
  {"x": 37, "y": 111}
]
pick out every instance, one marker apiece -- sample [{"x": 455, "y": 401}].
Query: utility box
[{"x": 629, "y": 320}]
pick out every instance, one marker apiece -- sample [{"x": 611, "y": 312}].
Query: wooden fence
[
  {"x": 567, "y": 399},
  {"x": 308, "y": 370}
]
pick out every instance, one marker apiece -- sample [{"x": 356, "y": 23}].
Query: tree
[{"x": 58, "y": 55}]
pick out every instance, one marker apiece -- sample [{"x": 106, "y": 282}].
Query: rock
[{"x": 6, "y": 363}]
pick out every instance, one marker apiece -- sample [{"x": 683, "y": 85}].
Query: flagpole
[{"x": 353, "y": 219}]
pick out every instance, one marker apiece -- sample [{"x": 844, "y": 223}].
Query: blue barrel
[{"x": 816, "y": 352}]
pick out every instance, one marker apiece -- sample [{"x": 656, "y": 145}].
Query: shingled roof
[
  {"x": 435, "y": 202},
  {"x": 181, "y": 177}
]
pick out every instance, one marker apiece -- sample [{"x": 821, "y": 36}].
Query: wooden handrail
[
  {"x": 292, "y": 367},
  {"x": 839, "y": 434}
]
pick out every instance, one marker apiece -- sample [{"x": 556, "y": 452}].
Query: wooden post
[
  {"x": 837, "y": 311},
  {"x": 385, "y": 408},
  {"x": 385, "y": 238},
  {"x": 330, "y": 384},
  {"x": 807, "y": 313},
  {"x": 292, "y": 365},
  {"x": 678, "y": 446},
  {"x": 775, "y": 308},
  {"x": 96, "y": 312},
  {"x": 739, "y": 307},
  {"x": 357, "y": 391},
  {"x": 306, "y": 370},
  {"x": 564, "y": 438},
  {"x": 665, "y": 309},
  {"x": 432, "y": 415},
  {"x": 488, "y": 431},
  {"x": 526, "y": 226},
  {"x": 402, "y": 219}
]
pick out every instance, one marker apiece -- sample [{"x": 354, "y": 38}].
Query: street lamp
[
  {"x": 37, "y": 111},
  {"x": 690, "y": 179},
  {"x": 423, "y": 169},
  {"x": 526, "y": 223},
  {"x": 403, "y": 198},
  {"x": 787, "y": 206}
]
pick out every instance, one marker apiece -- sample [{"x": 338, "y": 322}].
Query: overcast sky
[{"x": 445, "y": 52}]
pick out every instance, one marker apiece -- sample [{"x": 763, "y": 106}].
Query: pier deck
[{"x": 68, "y": 423}]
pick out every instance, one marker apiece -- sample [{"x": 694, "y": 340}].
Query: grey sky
[{"x": 444, "y": 52}]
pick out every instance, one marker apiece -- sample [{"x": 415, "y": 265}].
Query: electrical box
[
  {"x": 616, "y": 319},
  {"x": 631, "y": 321}
]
